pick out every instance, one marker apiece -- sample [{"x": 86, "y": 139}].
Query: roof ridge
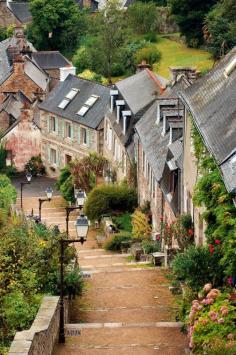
[{"x": 155, "y": 79}]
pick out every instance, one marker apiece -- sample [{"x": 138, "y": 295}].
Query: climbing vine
[{"x": 220, "y": 212}]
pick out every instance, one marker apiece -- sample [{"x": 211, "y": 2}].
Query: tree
[
  {"x": 150, "y": 54},
  {"x": 110, "y": 35},
  {"x": 190, "y": 15},
  {"x": 143, "y": 17},
  {"x": 56, "y": 24},
  {"x": 220, "y": 28}
]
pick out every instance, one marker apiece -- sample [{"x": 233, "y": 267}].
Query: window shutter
[
  {"x": 58, "y": 158},
  {"x": 89, "y": 137},
  {"x": 63, "y": 128},
  {"x": 56, "y": 125},
  {"x": 48, "y": 123},
  {"x": 79, "y": 134},
  {"x": 49, "y": 155},
  {"x": 72, "y": 131}
]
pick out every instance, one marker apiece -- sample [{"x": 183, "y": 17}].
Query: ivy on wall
[{"x": 220, "y": 212}]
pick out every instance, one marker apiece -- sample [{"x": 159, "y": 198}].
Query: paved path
[{"x": 126, "y": 308}]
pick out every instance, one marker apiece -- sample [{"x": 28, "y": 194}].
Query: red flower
[
  {"x": 211, "y": 248},
  {"x": 190, "y": 232},
  {"x": 230, "y": 280},
  {"x": 217, "y": 241},
  {"x": 161, "y": 218}
]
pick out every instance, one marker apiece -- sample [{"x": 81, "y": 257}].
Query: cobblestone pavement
[{"x": 126, "y": 308}]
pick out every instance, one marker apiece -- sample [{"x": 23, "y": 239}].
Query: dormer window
[
  {"x": 119, "y": 103},
  {"x": 125, "y": 114},
  {"x": 112, "y": 94}
]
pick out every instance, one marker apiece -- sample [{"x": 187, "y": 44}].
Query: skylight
[
  {"x": 63, "y": 103},
  {"x": 72, "y": 93},
  {"x": 91, "y": 101},
  {"x": 83, "y": 110}
]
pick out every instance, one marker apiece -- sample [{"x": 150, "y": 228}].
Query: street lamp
[
  {"x": 80, "y": 197},
  {"x": 28, "y": 177},
  {"x": 82, "y": 227},
  {"x": 49, "y": 193}
]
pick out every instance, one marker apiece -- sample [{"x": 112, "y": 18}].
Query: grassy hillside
[{"x": 177, "y": 54}]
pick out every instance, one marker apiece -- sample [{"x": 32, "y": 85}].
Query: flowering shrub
[
  {"x": 181, "y": 230},
  {"x": 211, "y": 318}
]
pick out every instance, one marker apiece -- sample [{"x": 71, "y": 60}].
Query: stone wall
[{"x": 42, "y": 336}]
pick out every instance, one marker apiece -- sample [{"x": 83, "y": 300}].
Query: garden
[{"x": 29, "y": 263}]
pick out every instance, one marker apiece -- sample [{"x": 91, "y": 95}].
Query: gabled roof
[
  {"x": 139, "y": 90},
  {"x": 5, "y": 65},
  {"x": 93, "y": 117},
  {"x": 21, "y": 11},
  {"x": 50, "y": 59},
  {"x": 12, "y": 106},
  {"x": 212, "y": 103}
]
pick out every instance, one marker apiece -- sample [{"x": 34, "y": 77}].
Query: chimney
[
  {"x": 64, "y": 72},
  {"x": 143, "y": 65},
  {"x": 18, "y": 65},
  {"x": 189, "y": 72}
]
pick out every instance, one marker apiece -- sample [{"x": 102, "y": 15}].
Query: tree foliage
[
  {"x": 143, "y": 17},
  {"x": 220, "y": 28},
  {"x": 150, "y": 54},
  {"x": 56, "y": 24},
  {"x": 190, "y": 16},
  {"x": 105, "y": 199},
  {"x": 141, "y": 228},
  {"x": 220, "y": 213}
]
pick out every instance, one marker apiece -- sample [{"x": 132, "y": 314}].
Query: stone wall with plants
[{"x": 29, "y": 263}]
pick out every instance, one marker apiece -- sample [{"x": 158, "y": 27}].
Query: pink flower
[
  {"x": 207, "y": 287},
  {"x": 217, "y": 241},
  {"x": 230, "y": 336},
  {"x": 224, "y": 310},
  {"x": 190, "y": 232},
  {"x": 230, "y": 280},
  {"x": 221, "y": 320},
  {"x": 211, "y": 248},
  {"x": 213, "y": 315}
]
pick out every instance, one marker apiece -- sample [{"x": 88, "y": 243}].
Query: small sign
[
  {"x": 86, "y": 274},
  {"x": 72, "y": 332}
]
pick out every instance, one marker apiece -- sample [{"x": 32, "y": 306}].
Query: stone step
[
  {"x": 124, "y": 340},
  {"x": 112, "y": 325}
]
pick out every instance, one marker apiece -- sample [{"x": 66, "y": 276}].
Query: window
[
  {"x": 53, "y": 156},
  {"x": 143, "y": 162},
  {"x": 83, "y": 111},
  {"x": 91, "y": 101},
  {"x": 72, "y": 93},
  {"x": 64, "y": 103},
  {"x": 68, "y": 130},
  {"x": 68, "y": 159},
  {"x": 173, "y": 181},
  {"x": 84, "y": 136},
  {"x": 110, "y": 139},
  {"x": 52, "y": 124}
]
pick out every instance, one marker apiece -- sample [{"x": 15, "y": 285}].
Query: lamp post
[
  {"x": 28, "y": 177},
  {"x": 82, "y": 226},
  {"x": 49, "y": 193},
  {"x": 80, "y": 197}
]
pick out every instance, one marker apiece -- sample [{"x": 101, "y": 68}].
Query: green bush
[
  {"x": 73, "y": 282},
  {"x": 115, "y": 243},
  {"x": 65, "y": 184},
  {"x": 123, "y": 222},
  {"x": 35, "y": 166},
  {"x": 151, "y": 37},
  {"x": 150, "y": 246},
  {"x": 150, "y": 54},
  {"x": 7, "y": 194},
  {"x": 105, "y": 199},
  {"x": 197, "y": 266}
]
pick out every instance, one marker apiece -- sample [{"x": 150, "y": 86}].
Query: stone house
[
  {"x": 211, "y": 104},
  {"x": 22, "y": 139},
  {"x": 14, "y": 13},
  {"x": 129, "y": 99},
  {"x": 159, "y": 148},
  {"x": 71, "y": 121}
]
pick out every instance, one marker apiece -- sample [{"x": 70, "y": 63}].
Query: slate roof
[
  {"x": 212, "y": 102},
  {"x": 5, "y": 66},
  {"x": 87, "y": 88},
  {"x": 12, "y": 106},
  {"x": 139, "y": 89},
  {"x": 21, "y": 11},
  {"x": 50, "y": 59},
  {"x": 154, "y": 144}
]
